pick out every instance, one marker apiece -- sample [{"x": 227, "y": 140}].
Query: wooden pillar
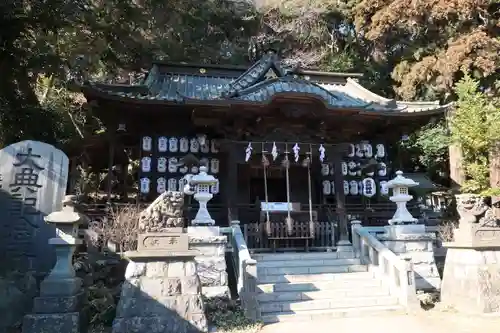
[
  {"x": 457, "y": 173},
  {"x": 123, "y": 181},
  {"x": 110, "y": 166},
  {"x": 73, "y": 175},
  {"x": 340, "y": 197},
  {"x": 231, "y": 181}
]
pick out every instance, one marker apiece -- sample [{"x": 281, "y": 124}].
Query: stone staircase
[{"x": 307, "y": 286}]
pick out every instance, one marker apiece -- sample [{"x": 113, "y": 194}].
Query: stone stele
[
  {"x": 33, "y": 178},
  {"x": 162, "y": 291}
]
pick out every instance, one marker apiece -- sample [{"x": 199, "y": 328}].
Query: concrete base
[
  {"x": 203, "y": 231},
  {"x": 411, "y": 241},
  {"x": 52, "y": 323},
  {"x": 210, "y": 259},
  {"x": 57, "y": 308},
  {"x": 160, "y": 296},
  {"x": 471, "y": 281}
]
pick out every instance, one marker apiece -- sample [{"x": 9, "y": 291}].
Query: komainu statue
[
  {"x": 165, "y": 212},
  {"x": 475, "y": 209}
]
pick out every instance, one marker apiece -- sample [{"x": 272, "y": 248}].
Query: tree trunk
[
  {"x": 495, "y": 177},
  {"x": 457, "y": 172}
]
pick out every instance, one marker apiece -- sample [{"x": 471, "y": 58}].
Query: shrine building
[{"x": 296, "y": 152}]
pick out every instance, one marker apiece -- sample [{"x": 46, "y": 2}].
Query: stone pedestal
[
  {"x": 471, "y": 279},
  {"x": 210, "y": 260},
  {"x": 162, "y": 291},
  {"x": 57, "y": 308},
  {"x": 411, "y": 241}
]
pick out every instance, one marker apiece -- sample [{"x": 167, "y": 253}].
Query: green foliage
[
  {"x": 228, "y": 316},
  {"x": 102, "y": 278},
  {"x": 430, "y": 144},
  {"x": 475, "y": 128}
]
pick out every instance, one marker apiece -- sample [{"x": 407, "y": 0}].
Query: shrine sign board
[
  {"x": 168, "y": 241},
  {"x": 33, "y": 179}
]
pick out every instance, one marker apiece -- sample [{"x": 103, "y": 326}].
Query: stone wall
[
  {"x": 211, "y": 263},
  {"x": 471, "y": 280},
  {"x": 419, "y": 248},
  {"x": 161, "y": 296}
]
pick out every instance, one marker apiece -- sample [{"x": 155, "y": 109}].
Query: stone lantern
[
  {"x": 60, "y": 297},
  {"x": 400, "y": 196},
  {"x": 66, "y": 222},
  {"x": 202, "y": 183}
]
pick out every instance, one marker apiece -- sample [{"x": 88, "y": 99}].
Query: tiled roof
[{"x": 256, "y": 85}]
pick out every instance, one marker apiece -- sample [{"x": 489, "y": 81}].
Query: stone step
[
  {"x": 302, "y": 256},
  {"x": 302, "y": 263},
  {"x": 336, "y": 284},
  {"x": 266, "y": 271},
  {"x": 310, "y": 315},
  {"x": 322, "y": 294},
  {"x": 358, "y": 273},
  {"x": 325, "y": 304}
]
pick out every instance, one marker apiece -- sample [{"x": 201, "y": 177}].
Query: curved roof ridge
[
  {"x": 252, "y": 75},
  {"x": 368, "y": 95}
]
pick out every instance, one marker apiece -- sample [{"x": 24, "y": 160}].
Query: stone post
[
  {"x": 207, "y": 239},
  {"x": 409, "y": 239},
  {"x": 162, "y": 291},
  {"x": 57, "y": 308},
  {"x": 471, "y": 277}
]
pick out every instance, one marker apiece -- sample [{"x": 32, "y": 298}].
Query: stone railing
[
  {"x": 245, "y": 269},
  {"x": 395, "y": 273},
  {"x": 439, "y": 249}
]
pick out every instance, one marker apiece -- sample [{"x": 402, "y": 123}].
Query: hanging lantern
[
  {"x": 327, "y": 187},
  {"x": 359, "y": 150},
  {"x": 161, "y": 185},
  {"x": 162, "y": 164},
  {"x": 184, "y": 145},
  {"x": 353, "y": 187},
  {"x": 344, "y": 169},
  {"x": 368, "y": 149},
  {"x": 172, "y": 165},
  {"x": 351, "y": 150},
  {"x": 380, "y": 150},
  {"x": 145, "y": 185},
  {"x": 147, "y": 143},
  {"x": 382, "y": 170},
  {"x": 162, "y": 144},
  {"x": 325, "y": 170},
  {"x": 369, "y": 188},
  {"x": 194, "y": 145},
  {"x": 383, "y": 188},
  {"x": 346, "y": 187},
  {"x": 352, "y": 168},
  {"x": 172, "y": 144},
  {"x": 146, "y": 164}
]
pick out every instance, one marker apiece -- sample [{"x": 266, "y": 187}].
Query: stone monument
[
  {"x": 408, "y": 239},
  {"x": 162, "y": 291},
  {"x": 207, "y": 239},
  {"x": 57, "y": 308},
  {"x": 33, "y": 179},
  {"x": 471, "y": 278}
]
